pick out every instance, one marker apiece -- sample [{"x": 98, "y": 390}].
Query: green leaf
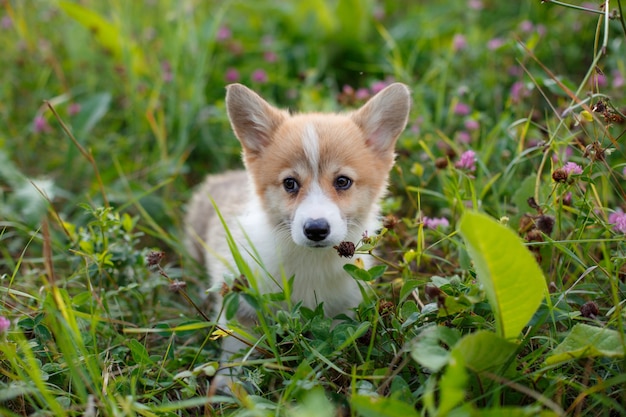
[
  {"x": 455, "y": 305},
  {"x": 231, "y": 304},
  {"x": 452, "y": 384},
  {"x": 377, "y": 271},
  {"x": 407, "y": 288},
  {"x": 357, "y": 273},
  {"x": 314, "y": 404},
  {"x": 513, "y": 282},
  {"x": 139, "y": 352},
  {"x": 585, "y": 341},
  {"x": 428, "y": 350},
  {"x": 373, "y": 406},
  {"x": 484, "y": 351}
]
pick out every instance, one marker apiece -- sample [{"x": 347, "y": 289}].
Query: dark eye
[
  {"x": 343, "y": 183},
  {"x": 291, "y": 185}
]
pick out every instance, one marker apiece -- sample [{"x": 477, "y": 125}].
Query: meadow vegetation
[{"x": 502, "y": 274}]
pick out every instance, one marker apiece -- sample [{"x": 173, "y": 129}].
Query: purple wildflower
[
  {"x": 416, "y": 125},
  {"x": 73, "y": 109},
  {"x": 259, "y": 76},
  {"x": 4, "y": 324},
  {"x": 475, "y": 4},
  {"x": 362, "y": 94},
  {"x": 589, "y": 5},
  {"x": 166, "y": 67},
  {"x": 541, "y": 30},
  {"x": 378, "y": 86},
  {"x": 40, "y": 124},
  {"x": 232, "y": 75},
  {"x": 435, "y": 223},
  {"x": 526, "y": 26},
  {"x": 495, "y": 43},
  {"x": 459, "y": 42},
  {"x": 618, "y": 79},
  {"x": 223, "y": 33},
  {"x": 518, "y": 91},
  {"x": 472, "y": 124},
  {"x": 463, "y": 137},
  {"x": 572, "y": 168},
  {"x": 618, "y": 220},
  {"x": 599, "y": 80},
  {"x": 462, "y": 109},
  {"x": 624, "y": 172},
  {"x": 270, "y": 56},
  {"x": 6, "y": 22},
  {"x": 467, "y": 161}
]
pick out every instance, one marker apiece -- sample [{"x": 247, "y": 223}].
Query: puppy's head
[{"x": 319, "y": 176}]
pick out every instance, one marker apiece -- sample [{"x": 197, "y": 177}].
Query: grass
[{"x": 110, "y": 112}]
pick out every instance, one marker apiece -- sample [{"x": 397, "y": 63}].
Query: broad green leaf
[
  {"x": 357, "y": 273},
  {"x": 377, "y": 271},
  {"x": 428, "y": 350},
  {"x": 585, "y": 341},
  {"x": 452, "y": 384},
  {"x": 454, "y": 305},
  {"x": 314, "y": 404},
  {"x": 484, "y": 351},
  {"x": 373, "y": 406},
  {"x": 508, "y": 272}
]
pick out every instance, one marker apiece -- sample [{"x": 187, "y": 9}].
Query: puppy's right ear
[{"x": 253, "y": 119}]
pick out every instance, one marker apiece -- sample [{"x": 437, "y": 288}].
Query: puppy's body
[{"x": 311, "y": 182}]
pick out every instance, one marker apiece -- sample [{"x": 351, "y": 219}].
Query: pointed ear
[
  {"x": 253, "y": 119},
  {"x": 384, "y": 117}
]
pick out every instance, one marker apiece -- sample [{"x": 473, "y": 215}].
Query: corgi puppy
[{"x": 311, "y": 182}]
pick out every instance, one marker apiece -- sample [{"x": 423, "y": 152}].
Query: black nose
[{"x": 316, "y": 229}]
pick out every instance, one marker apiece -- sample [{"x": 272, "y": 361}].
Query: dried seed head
[
  {"x": 240, "y": 284},
  {"x": 153, "y": 258},
  {"x": 385, "y": 307},
  {"x": 526, "y": 223},
  {"x": 224, "y": 290},
  {"x": 534, "y": 236},
  {"x": 560, "y": 175},
  {"x": 599, "y": 107},
  {"x": 441, "y": 163},
  {"x": 533, "y": 203},
  {"x": 345, "y": 249},
  {"x": 589, "y": 310},
  {"x": 545, "y": 223},
  {"x": 390, "y": 221}
]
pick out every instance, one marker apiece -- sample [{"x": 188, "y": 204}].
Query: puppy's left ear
[{"x": 384, "y": 117}]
